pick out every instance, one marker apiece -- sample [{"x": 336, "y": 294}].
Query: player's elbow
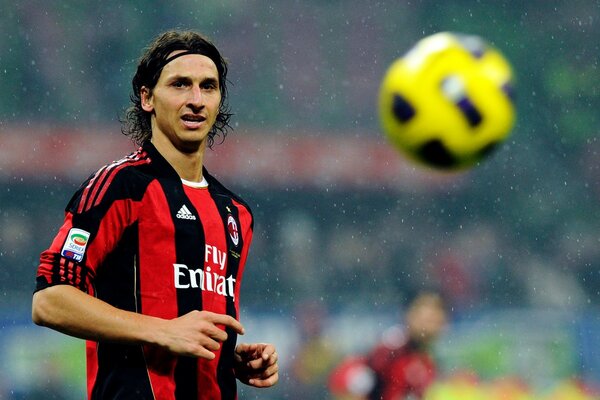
[{"x": 41, "y": 309}]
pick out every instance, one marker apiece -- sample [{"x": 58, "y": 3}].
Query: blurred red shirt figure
[
  {"x": 402, "y": 369},
  {"x": 401, "y": 365},
  {"x": 351, "y": 379}
]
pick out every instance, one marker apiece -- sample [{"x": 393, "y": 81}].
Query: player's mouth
[{"x": 192, "y": 121}]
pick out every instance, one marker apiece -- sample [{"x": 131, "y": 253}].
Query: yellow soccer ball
[{"x": 448, "y": 102}]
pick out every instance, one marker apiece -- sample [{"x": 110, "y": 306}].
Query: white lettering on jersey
[
  {"x": 206, "y": 279},
  {"x": 218, "y": 257}
]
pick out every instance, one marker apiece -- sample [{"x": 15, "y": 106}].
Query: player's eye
[
  {"x": 179, "y": 83},
  {"x": 210, "y": 85}
]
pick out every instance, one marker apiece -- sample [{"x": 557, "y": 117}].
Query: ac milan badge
[{"x": 232, "y": 228}]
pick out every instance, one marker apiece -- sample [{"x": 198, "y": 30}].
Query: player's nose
[{"x": 195, "y": 97}]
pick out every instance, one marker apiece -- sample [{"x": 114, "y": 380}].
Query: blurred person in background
[
  {"x": 148, "y": 264},
  {"x": 401, "y": 365},
  {"x": 402, "y": 362}
]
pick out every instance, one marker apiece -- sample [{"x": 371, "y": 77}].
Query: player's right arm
[{"x": 69, "y": 310}]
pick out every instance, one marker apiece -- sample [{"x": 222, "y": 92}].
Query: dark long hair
[{"x": 136, "y": 122}]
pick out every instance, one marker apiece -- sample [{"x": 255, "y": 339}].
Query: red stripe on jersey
[
  {"x": 215, "y": 268},
  {"x": 91, "y": 365},
  {"x": 120, "y": 215},
  {"x": 157, "y": 283},
  {"x": 215, "y": 251},
  {"x": 157, "y": 254}
]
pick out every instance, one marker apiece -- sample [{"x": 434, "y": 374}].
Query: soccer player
[
  {"x": 148, "y": 263},
  {"x": 401, "y": 365}
]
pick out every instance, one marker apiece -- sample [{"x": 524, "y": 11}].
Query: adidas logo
[{"x": 184, "y": 213}]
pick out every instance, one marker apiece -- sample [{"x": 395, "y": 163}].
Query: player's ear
[{"x": 146, "y": 99}]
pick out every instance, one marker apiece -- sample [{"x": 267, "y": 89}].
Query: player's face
[
  {"x": 184, "y": 103},
  {"x": 426, "y": 322}
]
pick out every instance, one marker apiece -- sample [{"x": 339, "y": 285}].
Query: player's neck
[{"x": 187, "y": 164}]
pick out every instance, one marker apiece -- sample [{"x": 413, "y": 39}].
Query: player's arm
[{"x": 73, "y": 312}]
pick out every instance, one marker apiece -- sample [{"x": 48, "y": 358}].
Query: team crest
[
  {"x": 232, "y": 228},
  {"x": 74, "y": 247}
]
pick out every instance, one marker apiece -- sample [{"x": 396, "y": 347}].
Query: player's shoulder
[
  {"x": 125, "y": 172},
  {"x": 134, "y": 166},
  {"x": 127, "y": 177}
]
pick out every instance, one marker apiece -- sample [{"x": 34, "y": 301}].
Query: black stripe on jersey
[
  {"x": 122, "y": 372},
  {"x": 226, "y": 379},
  {"x": 189, "y": 250},
  {"x": 217, "y": 187},
  {"x": 119, "y": 375},
  {"x": 116, "y": 281}
]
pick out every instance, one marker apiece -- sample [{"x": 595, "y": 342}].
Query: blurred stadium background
[{"x": 344, "y": 226}]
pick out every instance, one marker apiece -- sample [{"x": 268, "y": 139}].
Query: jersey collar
[{"x": 160, "y": 165}]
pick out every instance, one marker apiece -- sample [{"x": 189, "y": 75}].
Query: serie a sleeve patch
[{"x": 74, "y": 247}]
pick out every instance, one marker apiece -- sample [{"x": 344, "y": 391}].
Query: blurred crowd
[{"x": 336, "y": 245}]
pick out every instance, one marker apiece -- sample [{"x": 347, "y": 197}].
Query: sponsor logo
[
  {"x": 74, "y": 247},
  {"x": 211, "y": 278},
  {"x": 205, "y": 279},
  {"x": 185, "y": 213},
  {"x": 214, "y": 256},
  {"x": 232, "y": 228}
]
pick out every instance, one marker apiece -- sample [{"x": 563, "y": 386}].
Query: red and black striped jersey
[{"x": 136, "y": 237}]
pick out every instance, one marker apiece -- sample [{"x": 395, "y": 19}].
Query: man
[
  {"x": 148, "y": 264},
  {"x": 400, "y": 366}
]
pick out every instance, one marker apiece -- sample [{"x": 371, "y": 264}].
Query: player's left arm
[{"x": 256, "y": 364}]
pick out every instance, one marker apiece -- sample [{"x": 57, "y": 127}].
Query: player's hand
[
  {"x": 198, "y": 333},
  {"x": 256, "y": 364}
]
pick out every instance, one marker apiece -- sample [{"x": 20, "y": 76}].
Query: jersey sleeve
[{"x": 95, "y": 218}]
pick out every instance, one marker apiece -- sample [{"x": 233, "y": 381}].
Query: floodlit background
[{"x": 346, "y": 229}]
